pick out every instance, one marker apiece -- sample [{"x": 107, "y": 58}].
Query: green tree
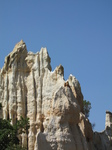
[
  {"x": 15, "y": 147},
  {"x": 9, "y": 133},
  {"x": 86, "y": 107}
]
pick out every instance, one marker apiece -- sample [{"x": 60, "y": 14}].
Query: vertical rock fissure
[
  {"x": 5, "y": 105},
  {"x": 70, "y": 125},
  {"x": 26, "y": 112},
  {"x": 81, "y": 139},
  {"x": 35, "y": 96}
]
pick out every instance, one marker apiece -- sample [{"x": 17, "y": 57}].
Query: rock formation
[
  {"x": 103, "y": 140},
  {"x": 108, "y": 122},
  {"x": 29, "y": 88}
]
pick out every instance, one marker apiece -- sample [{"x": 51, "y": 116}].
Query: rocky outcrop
[
  {"x": 103, "y": 140},
  {"x": 108, "y": 120},
  {"x": 29, "y": 88}
]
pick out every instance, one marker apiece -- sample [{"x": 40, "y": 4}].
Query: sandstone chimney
[{"x": 108, "y": 121}]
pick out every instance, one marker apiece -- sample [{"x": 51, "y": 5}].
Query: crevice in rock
[
  {"x": 41, "y": 123},
  {"x": 35, "y": 96}
]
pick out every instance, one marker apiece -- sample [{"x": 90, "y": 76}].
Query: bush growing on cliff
[
  {"x": 9, "y": 133},
  {"x": 87, "y": 107}
]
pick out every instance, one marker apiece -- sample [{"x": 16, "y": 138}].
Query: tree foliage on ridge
[
  {"x": 87, "y": 107},
  {"x": 9, "y": 133}
]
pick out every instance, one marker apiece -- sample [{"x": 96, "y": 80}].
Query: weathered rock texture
[
  {"x": 108, "y": 122},
  {"x": 54, "y": 106}
]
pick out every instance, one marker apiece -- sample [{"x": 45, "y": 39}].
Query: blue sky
[{"x": 77, "y": 34}]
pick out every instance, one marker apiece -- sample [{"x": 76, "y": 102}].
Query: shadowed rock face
[{"x": 54, "y": 106}]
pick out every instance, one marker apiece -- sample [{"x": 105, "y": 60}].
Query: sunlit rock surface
[{"x": 54, "y": 106}]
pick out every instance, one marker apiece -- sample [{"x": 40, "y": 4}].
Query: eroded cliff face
[{"x": 29, "y": 88}]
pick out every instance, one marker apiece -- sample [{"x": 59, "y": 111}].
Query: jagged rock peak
[
  {"x": 19, "y": 46},
  {"x": 29, "y": 88},
  {"x": 20, "y": 59},
  {"x": 19, "y": 52}
]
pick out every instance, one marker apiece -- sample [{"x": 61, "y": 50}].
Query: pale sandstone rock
[
  {"x": 86, "y": 127},
  {"x": 29, "y": 88},
  {"x": 108, "y": 122},
  {"x": 103, "y": 140},
  {"x": 76, "y": 89}
]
